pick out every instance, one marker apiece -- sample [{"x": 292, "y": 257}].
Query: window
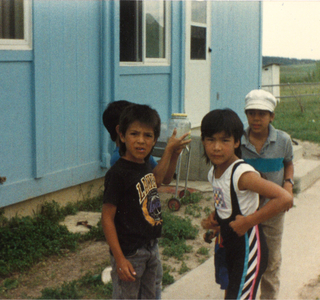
[
  {"x": 144, "y": 34},
  {"x": 15, "y": 24},
  {"x": 198, "y": 30}
]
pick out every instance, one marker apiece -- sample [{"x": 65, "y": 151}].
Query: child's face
[
  {"x": 259, "y": 120},
  {"x": 139, "y": 140},
  {"x": 220, "y": 148}
]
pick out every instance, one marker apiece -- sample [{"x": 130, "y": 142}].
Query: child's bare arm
[
  {"x": 166, "y": 167},
  {"x": 125, "y": 270},
  {"x": 280, "y": 201},
  {"x": 288, "y": 174}
]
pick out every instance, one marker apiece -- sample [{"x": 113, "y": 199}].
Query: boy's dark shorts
[{"x": 221, "y": 270}]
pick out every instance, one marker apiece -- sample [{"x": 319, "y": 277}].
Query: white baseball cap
[{"x": 261, "y": 100}]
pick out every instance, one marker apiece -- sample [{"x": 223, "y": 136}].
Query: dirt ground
[{"x": 93, "y": 256}]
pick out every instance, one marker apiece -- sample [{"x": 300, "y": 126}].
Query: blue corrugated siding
[
  {"x": 52, "y": 97},
  {"x": 236, "y": 56},
  {"x": 53, "y": 114}
]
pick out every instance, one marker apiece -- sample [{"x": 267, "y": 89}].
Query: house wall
[
  {"x": 53, "y": 96},
  {"x": 236, "y": 56}
]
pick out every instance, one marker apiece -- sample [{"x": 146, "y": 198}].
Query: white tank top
[{"x": 248, "y": 200}]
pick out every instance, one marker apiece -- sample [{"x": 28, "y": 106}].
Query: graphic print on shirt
[
  {"x": 149, "y": 199},
  {"x": 219, "y": 199}
]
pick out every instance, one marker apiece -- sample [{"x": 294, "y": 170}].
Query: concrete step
[
  {"x": 297, "y": 152},
  {"x": 306, "y": 173}
]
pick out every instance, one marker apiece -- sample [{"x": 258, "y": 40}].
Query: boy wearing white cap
[{"x": 269, "y": 151}]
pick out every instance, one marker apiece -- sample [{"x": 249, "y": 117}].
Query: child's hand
[
  {"x": 240, "y": 226},
  {"x": 126, "y": 271},
  {"x": 177, "y": 144}
]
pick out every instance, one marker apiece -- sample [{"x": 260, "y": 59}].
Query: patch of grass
[
  {"x": 203, "y": 251},
  {"x": 175, "y": 227},
  {"x": 300, "y": 125},
  {"x": 167, "y": 278},
  {"x": 191, "y": 198},
  {"x": 193, "y": 210},
  {"x": 27, "y": 240},
  {"x": 89, "y": 286},
  {"x": 299, "y": 115},
  {"x": 176, "y": 248},
  {"x": 184, "y": 268},
  {"x": 207, "y": 211}
]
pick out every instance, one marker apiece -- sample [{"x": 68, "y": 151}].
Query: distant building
[{"x": 270, "y": 79}]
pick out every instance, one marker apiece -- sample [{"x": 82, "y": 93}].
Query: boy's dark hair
[
  {"x": 143, "y": 114},
  {"x": 219, "y": 120},
  {"x": 111, "y": 116}
]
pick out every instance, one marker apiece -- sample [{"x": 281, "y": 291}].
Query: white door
[{"x": 197, "y": 68}]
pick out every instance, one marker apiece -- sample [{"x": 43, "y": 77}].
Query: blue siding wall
[
  {"x": 53, "y": 96},
  {"x": 236, "y": 56},
  {"x": 52, "y": 106}
]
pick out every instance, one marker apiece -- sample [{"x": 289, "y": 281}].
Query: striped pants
[{"x": 247, "y": 259}]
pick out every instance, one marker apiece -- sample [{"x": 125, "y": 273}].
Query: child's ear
[
  {"x": 117, "y": 129},
  {"x": 272, "y": 117},
  {"x": 237, "y": 144}
]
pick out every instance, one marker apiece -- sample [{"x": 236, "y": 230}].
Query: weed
[
  {"x": 203, "y": 251},
  {"x": 68, "y": 290},
  {"x": 176, "y": 248},
  {"x": 207, "y": 211},
  {"x": 88, "y": 286},
  {"x": 191, "y": 198},
  {"x": 193, "y": 210},
  {"x": 175, "y": 227},
  {"x": 27, "y": 240},
  {"x": 184, "y": 268},
  {"x": 167, "y": 278},
  {"x": 202, "y": 260}
]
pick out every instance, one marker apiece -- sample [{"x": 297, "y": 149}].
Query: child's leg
[
  {"x": 247, "y": 261},
  {"x": 270, "y": 281},
  {"x": 144, "y": 286},
  {"x": 151, "y": 280},
  {"x": 159, "y": 278}
]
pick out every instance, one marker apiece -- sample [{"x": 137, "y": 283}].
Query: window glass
[
  {"x": 15, "y": 24},
  {"x": 199, "y": 12},
  {"x": 198, "y": 42},
  {"x": 130, "y": 30},
  {"x": 11, "y": 19},
  {"x": 143, "y": 31},
  {"x": 155, "y": 29}
]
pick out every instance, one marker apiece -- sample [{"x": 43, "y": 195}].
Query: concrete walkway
[{"x": 300, "y": 251}]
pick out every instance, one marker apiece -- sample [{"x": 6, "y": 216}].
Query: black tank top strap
[{"x": 226, "y": 231}]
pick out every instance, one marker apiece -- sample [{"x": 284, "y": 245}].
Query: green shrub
[
  {"x": 203, "y": 251},
  {"x": 184, "y": 268},
  {"x": 167, "y": 278},
  {"x": 175, "y": 227},
  {"x": 193, "y": 210},
  {"x": 191, "y": 198},
  {"x": 68, "y": 290}
]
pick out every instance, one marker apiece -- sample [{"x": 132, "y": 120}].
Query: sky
[{"x": 291, "y": 29}]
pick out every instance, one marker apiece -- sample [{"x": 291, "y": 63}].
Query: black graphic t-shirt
[{"x": 133, "y": 189}]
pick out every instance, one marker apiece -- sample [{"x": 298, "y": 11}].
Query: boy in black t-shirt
[{"x": 131, "y": 213}]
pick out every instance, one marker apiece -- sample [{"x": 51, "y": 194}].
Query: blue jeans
[{"x": 146, "y": 262}]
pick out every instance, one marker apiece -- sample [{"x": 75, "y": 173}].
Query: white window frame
[
  {"x": 154, "y": 61},
  {"x": 26, "y": 42}
]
